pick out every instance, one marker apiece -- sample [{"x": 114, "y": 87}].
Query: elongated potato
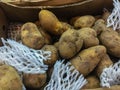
[
  {"x": 84, "y": 21},
  {"x": 89, "y": 37},
  {"x": 88, "y": 59},
  {"x": 9, "y": 78},
  {"x": 111, "y": 40},
  {"x": 70, "y": 43},
  {"x": 104, "y": 63},
  {"x": 31, "y": 36}
]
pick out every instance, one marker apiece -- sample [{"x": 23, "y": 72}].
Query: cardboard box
[{"x": 23, "y": 12}]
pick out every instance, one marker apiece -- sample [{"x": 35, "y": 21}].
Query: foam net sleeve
[
  {"x": 24, "y": 59},
  {"x": 114, "y": 19},
  {"x": 65, "y": 77},
  {"x": 111, "y": 75}
]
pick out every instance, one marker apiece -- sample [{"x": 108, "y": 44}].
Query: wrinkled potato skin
[
  {"x": 31, "y": 36},
  {"x": 84, "y": 21},
  {"x": 9, "y": 78},
  {"x": 45, "y": 18},
  {"x": 93, "y": 82},
  {"x": 104, "y": 63},
  {"x": 111, "y": 40},
  {"x": 34, "y": 81},
  {"x": 70, "y": 43},
  {"x": 88, "y": 59},
  {"x": 89, "y": 37},
  {"x": 54, "y": 54}
]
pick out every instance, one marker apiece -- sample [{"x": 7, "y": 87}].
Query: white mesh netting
[
  {"x": 65, "y": 77},
  {"x": 111, "y": 75},
  {"x": 23, "y": 58},
  {"x": 114, "y": 19}
]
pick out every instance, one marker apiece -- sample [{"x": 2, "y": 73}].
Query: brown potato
[
  {"x": 84, "y": 21},
  {"x": 89, "y": 37},
  {"x": 111, "y": 40},
  {"x": 9, "y": 78},
  {"x": 88, "y": 59},
  {"x": 104, "y": 63},
  {"x": 34, "y": 81},
  {"x": 93, "y": 82},
  {"x": 50, "y": 22},
  {"x": 54, "y": 54},
  {"x": 56, "y": 44},
  {"x": 105, "y": 15},
  {"x": 70, "y": 44},
  {"x": 31, "y": 36}
]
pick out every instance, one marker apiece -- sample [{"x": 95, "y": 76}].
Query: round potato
[
  {"x": 70, "y": 44},
  {"x": 9, "y": 78},
  {"x": 84, "y": 21},
  {"x": 88, "y": 59},
  {"x": 31, "y": 36}
]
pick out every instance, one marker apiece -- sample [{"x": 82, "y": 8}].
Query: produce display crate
[{"x": 28, "y": 11}]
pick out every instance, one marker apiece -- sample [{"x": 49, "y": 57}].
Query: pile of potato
[{"x": 85, "y": 41}]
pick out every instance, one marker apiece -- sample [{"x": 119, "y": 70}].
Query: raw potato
[
  {"x": 84, "y": 21},
  {"x": 9, "y": 78},
  {"x": 93, "y": 82},
  {"x": 54, "y": 54},
  {"x": 70, "y": 44},
  {"x": 88, "y": 59},
  {"x": 31, "y": 36},
  {"x": 34, "y": 81},
  {"x": 111, "y": 40},
  {"x": 104, "y": 63},
  {"x": 89, "y": 37},
  {"x": 105, "y": 15},
  {"x": 50, "y": 22}
]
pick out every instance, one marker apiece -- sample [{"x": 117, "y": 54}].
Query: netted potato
[
  {"x": 105, "y": 15},
  {"x": 54, "y": 54},
  {"x": 88, "y": 59},
  {"x": 89, "y": 37},
  {"x": 34, "y": 81},
  {"x": 84, "y": 21},
  {"x": 111, "y": 40},
  {"x": 70, "y": 43},
  {"x": 104, "y": 63},
  {"x": 31, "y": 36},
  {"x": 50, "y": 22},
  {"x": 9, "y": 78},
  {"x": 93, "y": 82}
]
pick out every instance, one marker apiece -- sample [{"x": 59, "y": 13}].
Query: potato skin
[
  {"x": 34, "y": 81},
  {"x": 54, "y": 54},
  {"x": 88, "y": 59},
  {"x": 93, "y": 82},
  {"x": 45, "y": 18},
  {"x": 84, "y": 21},
  {"x": 89, "y": 37},
  {"x": 31, "y": 36},
  {"x": 9, "y": 78},
  {"x": 111, "y": 40},
  {"x": 104, "y": 63},
  {"x": 70, "y": 43}
]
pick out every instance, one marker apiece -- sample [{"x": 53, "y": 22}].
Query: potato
[
  {"x": 84, "y": 21},
  {"x": 54, "y": 54},
  {"x": 56, "y": 44},
  {"x": 104, "y": 63},
  {"x": 88, "y": 59},
  {"x": 105, "y": 15},
  {"x": 50, "y": 22},
  {"x": 72, "y": 20},
  {"x": 34, "y": 81},
  {"x": 93, "y": 82},
  {"x": 89, "y": 37},
  {"x": 9, "y": 78},
  {"x": 111, "y": 40},
  {"x": 70, "y": 44},
  {"x": 31, "y": 36}
]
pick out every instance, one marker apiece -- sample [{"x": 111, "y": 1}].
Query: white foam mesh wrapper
[
  {"x": 24, "y": 59},
  {"x": 111, "y": 75},
  {"x": 114, "y": 19},
  {"x": 65, "y": 77}
]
